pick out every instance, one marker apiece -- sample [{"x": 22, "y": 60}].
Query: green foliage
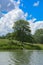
[
  {"x": 6, "y": 44},
  {"x": 22, "y": 31},
  {"x": 38, "y": 36},
  {"x": 10, "y": 35}
]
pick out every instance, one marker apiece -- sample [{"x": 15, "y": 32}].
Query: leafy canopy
[{"x": 22, "y": 30}]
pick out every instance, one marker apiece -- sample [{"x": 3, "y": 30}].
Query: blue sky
[
  {"x": 35, "y": 11},
  {"x": 28, "y": 6}
]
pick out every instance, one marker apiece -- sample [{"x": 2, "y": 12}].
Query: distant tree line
[{"x": 22, "y": 33}]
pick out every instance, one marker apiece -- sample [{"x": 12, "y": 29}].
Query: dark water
[{"x": 21, "y": 57}]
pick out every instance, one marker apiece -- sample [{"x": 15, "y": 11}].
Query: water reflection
[{"x": 21, "y": 57}]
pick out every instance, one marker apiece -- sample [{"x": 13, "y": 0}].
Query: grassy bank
[{"x": 6, "y": 44}]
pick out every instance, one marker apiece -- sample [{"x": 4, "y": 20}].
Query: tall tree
[{"x": 22, "y": 30}]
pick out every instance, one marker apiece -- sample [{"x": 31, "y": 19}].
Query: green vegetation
[
  {"x": 22, "y": 31},
  {"x": 38, "y": 36},
  {"x": 6, "y": 44},
  {"x": 21, "y": 38}
]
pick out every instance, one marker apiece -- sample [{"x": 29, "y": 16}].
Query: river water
[{"x": 21, "y": 57}]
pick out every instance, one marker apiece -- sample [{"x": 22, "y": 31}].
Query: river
[{"x": 21, "y": 57}]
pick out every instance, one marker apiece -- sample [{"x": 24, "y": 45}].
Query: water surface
[{"x": 21, "y": 57}]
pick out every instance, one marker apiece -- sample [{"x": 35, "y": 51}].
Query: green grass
[{"x": 7, "y": 44}]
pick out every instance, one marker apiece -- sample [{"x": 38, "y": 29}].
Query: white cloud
[
  {"x": 16, "y": 3},
  {"x": 7, "y": 21},
  {"x": 35, "y": 25},
  {"x": 8, "y": 4},
  {"x": 30, "y": 15},
  {"x": 36, "y": 3},
  {"x": 26, "y": 14}
]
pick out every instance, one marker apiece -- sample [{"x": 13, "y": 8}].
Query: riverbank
[{"x": 6, "y": 44}]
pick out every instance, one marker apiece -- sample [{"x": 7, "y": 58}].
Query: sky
[{"x": 13, "y": 10}]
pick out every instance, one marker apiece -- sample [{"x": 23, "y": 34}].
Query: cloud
[
  {"x": 30, "y": 16},
  {"x": 16, "y": 3},
  {"x": 36, "y": 3},
  {"x": 35, "y": 25},
  {"x": 8, "y": 4},
  {"x": 26, "y": 14},
  {"x": 6, "y": 22}
]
